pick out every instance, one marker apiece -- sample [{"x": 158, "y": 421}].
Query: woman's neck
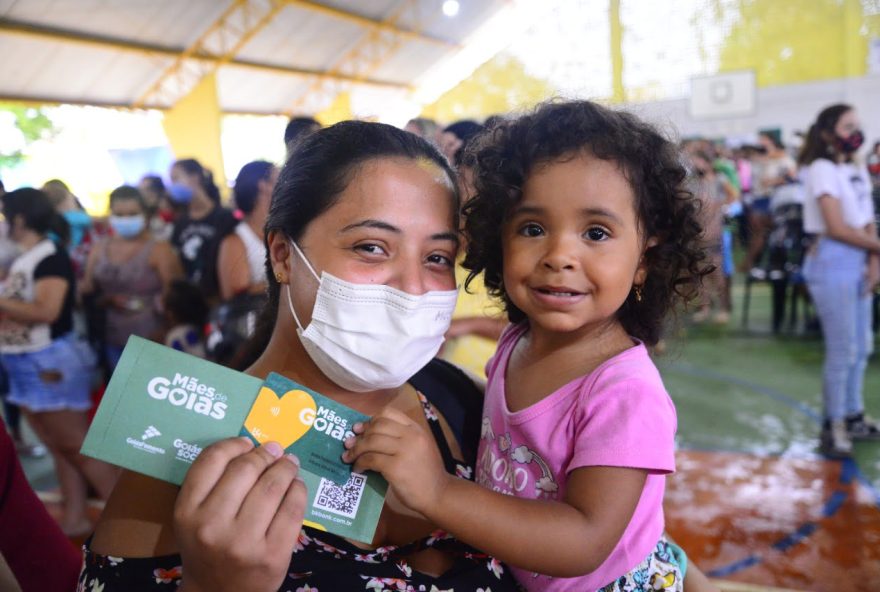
[
  {"x": 30, "y": 239},
  {"x": 200, "y": 206}
]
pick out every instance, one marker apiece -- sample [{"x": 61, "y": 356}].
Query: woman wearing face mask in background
[
  {"x": 129, "y": 272},
  {"x": 197, "y": 233},
  {"x": 363, "y": 228},
  {"x": 842, "y": 268}
]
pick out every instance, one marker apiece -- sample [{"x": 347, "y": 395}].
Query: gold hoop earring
[{"x": 638, "y": 291}]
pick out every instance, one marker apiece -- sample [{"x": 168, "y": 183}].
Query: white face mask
[{"x": 365, "y": 337}]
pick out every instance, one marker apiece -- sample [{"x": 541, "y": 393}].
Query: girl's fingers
[
  {"x": 372, "y": 461},
  {"x": 286, "y": 524},
  {"x": 208, "y": 468},
  {"x": 239, "y": 478},
  {"x": 372, "y": 442},
  {"x": 262, "y": 501}
]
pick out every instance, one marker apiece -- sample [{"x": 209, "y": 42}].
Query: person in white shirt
[{"x": 842, "y": 270}]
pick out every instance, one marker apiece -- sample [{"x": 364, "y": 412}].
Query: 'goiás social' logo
[
  {"x": 187, "y": 392},
  {"x": 186, "y": 451}
]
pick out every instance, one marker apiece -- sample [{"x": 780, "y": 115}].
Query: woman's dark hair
[
  {"x": 186, "y": 303},
  {"x": 319, "y": 169},
  {"x": 465, "y": 130},
  {"x": 37, "y": 212},
  {"x": 558, "y": 131},
  {"x": 191, "y": 166},
  {"x": 127, "y": 192},
  {"x": 247, "y": 184},
  {"x": 816, "y": 144}
]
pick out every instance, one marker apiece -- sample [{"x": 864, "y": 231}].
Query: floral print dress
[{"x": 324, "y": 562}]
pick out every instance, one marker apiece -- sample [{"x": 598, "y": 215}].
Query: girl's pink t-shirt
[{"x": 619, "y": 415}]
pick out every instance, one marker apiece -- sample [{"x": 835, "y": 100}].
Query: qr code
[{"x": 344, "y": 499}]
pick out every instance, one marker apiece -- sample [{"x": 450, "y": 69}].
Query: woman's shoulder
[{"x": 137, "y": 520}]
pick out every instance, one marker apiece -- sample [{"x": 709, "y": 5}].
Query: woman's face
[
  {"x": 181, "y": 177},
  {"x": 393, "y": 225},
  {"x": 847, "y": 124},
  {"x": 126, "y": 207}
]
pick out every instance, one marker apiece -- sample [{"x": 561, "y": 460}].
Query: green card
[
  {"x": 162, "y": 407},
  {"x": 313, "y": 428}
]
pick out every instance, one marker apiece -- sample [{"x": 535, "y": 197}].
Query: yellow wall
[
  {"x": 792, "y": 41},
  {"x": 501, "y": 85},
  {"x": 193, "y": 129}
]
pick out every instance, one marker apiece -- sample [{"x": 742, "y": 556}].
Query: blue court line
[{"x": 849, "y": 469}]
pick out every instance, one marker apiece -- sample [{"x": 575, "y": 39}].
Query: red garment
[{"x": 38, "y": 553}]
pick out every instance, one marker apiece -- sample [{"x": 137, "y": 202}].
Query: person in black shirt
[
  {"x": 50, "y": 370},
  {"x": 197, "y": 234}
]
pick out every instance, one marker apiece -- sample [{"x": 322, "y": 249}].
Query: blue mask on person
[
  {"x": 180, "y": 194},
  {"x": 128, "y": 226},
  {"x": 79, "y": 222}
]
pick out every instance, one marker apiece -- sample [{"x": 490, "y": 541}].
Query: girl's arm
[
  {"x": 838, "y": 229},
  {"x": 49, "y": 293},
  {"x": 565, "y": 539}
]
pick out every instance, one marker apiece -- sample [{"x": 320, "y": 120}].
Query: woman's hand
[
  {"x": 238, "y": 517},
  {"x": 404, "y": 453},
  {"x": 872, "y": 274}
]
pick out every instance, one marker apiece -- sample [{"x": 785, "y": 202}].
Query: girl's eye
[
  {"x": 531, "y": 229},
  {"x": 597, "y": 234}
]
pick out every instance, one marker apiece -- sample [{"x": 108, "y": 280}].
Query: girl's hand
[
  {"x": 238, "y": 517},
  {"x": 404, "y": 453}
]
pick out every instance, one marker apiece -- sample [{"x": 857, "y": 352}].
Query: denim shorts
[{"x": 55, "y": 378}]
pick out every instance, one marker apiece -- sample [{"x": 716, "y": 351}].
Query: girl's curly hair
[{"x": 504, "y": 157}]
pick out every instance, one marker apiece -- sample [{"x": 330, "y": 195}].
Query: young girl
[{"x": 583, "y": 229}]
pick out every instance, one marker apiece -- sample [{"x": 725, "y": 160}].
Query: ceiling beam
[
  {"x": 363, "y": 21},
  {"x": 37, "y": 101},
  {"x": 162, "y": 51}
]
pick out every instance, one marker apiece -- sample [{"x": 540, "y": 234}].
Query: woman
[
  {"x": 241, "y": 263},
  {"x": 197, "y": 235},
  {"x": 130, "y": 271},
  {"x": 842, "y": 268},
  {"x": 50, "y": 371},
  {"x": 371, "y": 205},
  {"x": 774, "y": 168}
]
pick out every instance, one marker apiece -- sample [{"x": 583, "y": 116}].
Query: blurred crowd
[{"x": 175, "y": 264}]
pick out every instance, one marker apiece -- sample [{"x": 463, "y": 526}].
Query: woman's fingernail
[
  {"x": 292, "y": 458},
  {"x": 345, "y": 456},
  {"x": 247, "y": 439},
  {"x": 348, "y": 442},
  {"x": 273, "y": 448}
]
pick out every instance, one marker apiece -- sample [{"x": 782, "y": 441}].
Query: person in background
[
  {"x": 186, "y": 312},
  {"x": 241, "y": 264},
  {"x": 50, "y": 370},
  {"x": 198, "y": 233},
  {"x": 298, "y": 129},
  {"x": 716, "y": 193},
  {"x": 874, "y": 170},
  {"x": 455, "y": 138},
  {"x": 157, "y": 202},
  {"x": 425, "y": 128},
  {"x": 773, "y": 168},
  {"x": 842, "y": 268},
  {"x": 39, "y": 557},
  {"x": 129, "y": 272}
]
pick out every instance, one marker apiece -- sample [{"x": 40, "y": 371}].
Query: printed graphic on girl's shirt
[{"x": 513, "y": 469}]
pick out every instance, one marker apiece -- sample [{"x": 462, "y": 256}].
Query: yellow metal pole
[{"x": 618, "y": 90}]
